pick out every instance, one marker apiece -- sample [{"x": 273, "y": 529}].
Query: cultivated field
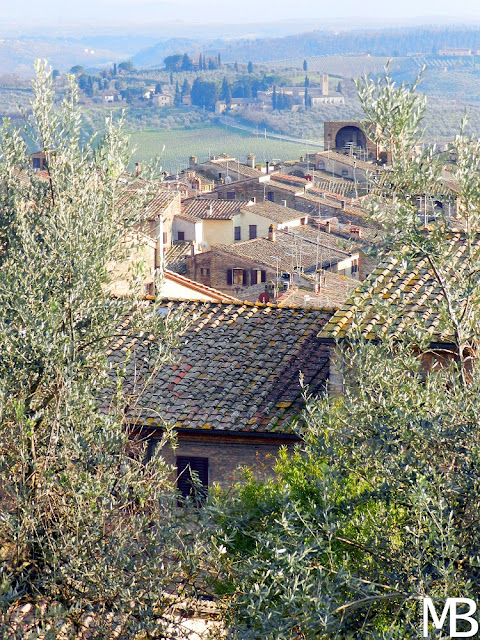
[
  {"x": 343, "y": 66},
  {"x": 180, "y": 144}
]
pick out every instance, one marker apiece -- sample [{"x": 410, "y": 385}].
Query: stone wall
[
  {"x": 215, "y": 264},
  {"x": 228, "y": 454}
]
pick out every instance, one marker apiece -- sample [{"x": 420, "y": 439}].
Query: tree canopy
[
  {"x": 89, "y": 531},
  {"x": 378, "y": 508}
]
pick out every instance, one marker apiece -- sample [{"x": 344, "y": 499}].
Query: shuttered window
[
  {"x": 252, "y": 231},
  {"x": 258, "y": 275},
  {"x": 192, "y": 478},
  {"x": 238, "y": 276}
]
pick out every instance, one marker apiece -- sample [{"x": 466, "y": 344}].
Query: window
[
  {"x": 192, "y": 478},
  {"x": 37, "y": 163},
  {"x": 257, "y": 276},
  {"x": 321, "y": 166},
  {"x": 237, "y": 277},
  {"x": 238, "y": 233},
  {"x": 230, "y": 195},
  {"x": 344, "y": 173},
  {"x": 208, "y": 271},
  {"x": 201, "y": 271},
  {"x": 271, "y": 196},
  {"x": 181, "y": 236},
  {"x": 252, "y": 231}
]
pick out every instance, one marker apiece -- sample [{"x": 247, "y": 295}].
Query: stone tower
[{"x": 325, "y": 84}]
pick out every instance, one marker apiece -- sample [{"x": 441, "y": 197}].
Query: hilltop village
[
  {"x": 258, "y": 259},
  {"x": 239, "y": 393}
]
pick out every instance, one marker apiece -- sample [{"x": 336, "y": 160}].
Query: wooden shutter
[
  {"x": 264, "y": 276},
  {"x": 245, "y": 277},
  {"x": 229, "y": 276},
  {"x": 186, "y": 467},
  {"x": 254, "y": 276}
]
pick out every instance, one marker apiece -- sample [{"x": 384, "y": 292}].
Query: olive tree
[
  {"x": 90, "y": 535},
  {"x": 379, "y": 506}
]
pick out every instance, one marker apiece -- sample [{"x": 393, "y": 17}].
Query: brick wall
[
  {"x": 331, "y": 130},
  {"x": 218, "y": 263},
  {"x": 335, "y": 377},
  {"x": 226, "y": 457}
]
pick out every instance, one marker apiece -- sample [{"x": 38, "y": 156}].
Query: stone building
[
  {"x": 341, "y": 136},
  {"x": 233, "y": 393},
  {"x": 411, "y": 295}
]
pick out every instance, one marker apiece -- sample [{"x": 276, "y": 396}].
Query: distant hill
[
  {"x": 394, "y": 42},
  {"x": 154, "y": 56},
  {"x": 18, "y": 54}
]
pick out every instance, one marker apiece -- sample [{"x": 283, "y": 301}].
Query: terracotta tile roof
[
  {"x": 398, "y": 295},
  {"x": 160, "y": 202},
  {"x": 26, "y": 177},
  {"x": 155, "y": 199},
  {"x": 214, "y": 294},
  {"x": 349, "y": 160},
  {"x": 176, "y": 256},
  {"x": 214, "y": 209},
  {"x": 334, "y": 291},
  {"x": 186, "y": 216},
  {"x": 295, "y": 180},
  {"x": 330, "y": 184},
  {"x": 334, "y": 200},
  {"x": 281, "y": 186},
  {"x": 276, "y": 212},
  {"x": 239, "y": 169},
  {"x": 237, "y": 368},
  {"x": 289, "y": 247}
]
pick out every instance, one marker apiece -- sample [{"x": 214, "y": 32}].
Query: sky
[{"x": 150, "y": 14}]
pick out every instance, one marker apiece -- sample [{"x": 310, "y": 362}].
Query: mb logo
[{"x": 451, "y": 610}]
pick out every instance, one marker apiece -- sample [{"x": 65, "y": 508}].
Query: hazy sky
[{"x": 146, "y": 13}]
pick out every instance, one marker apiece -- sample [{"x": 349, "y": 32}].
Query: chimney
[
  {"x": 272, "y": 233},
  {"x": 284, "y": 203},
  {"x": 355, "y": 232},
  {"x": 361, "y": 272},
  {"x": 251, "y": 161},
  {"x": 138, "y": 168},
  {"x": 342, "y": 202},
  {"x": 192, "y": 161},
  {"x": 267, "y": 165},
  {"x": 210, "y": 209}
]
